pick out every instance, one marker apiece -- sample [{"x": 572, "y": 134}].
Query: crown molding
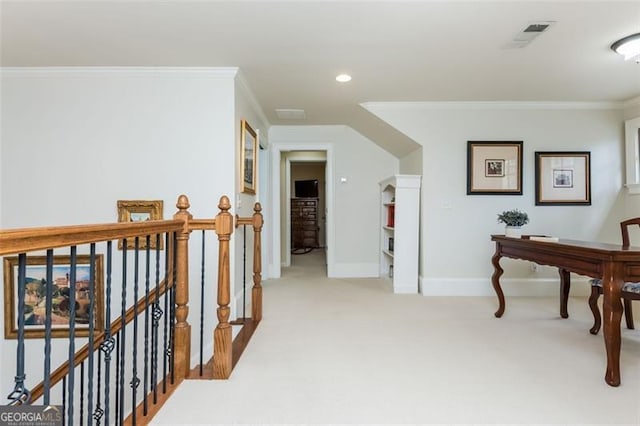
[
  {"x": 496, "y": 105},
  {"x": 209, "y": 72},
  {"x": 632, "y": 102}
]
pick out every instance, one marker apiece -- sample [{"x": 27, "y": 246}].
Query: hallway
[{"x": 349, "y": 351}]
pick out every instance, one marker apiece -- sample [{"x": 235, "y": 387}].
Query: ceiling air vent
[
  {"x": 529, "y": 33},
  {"x": 291, "y": 114}
]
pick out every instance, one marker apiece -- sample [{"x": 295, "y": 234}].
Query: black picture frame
[{"x": 563, "y": 178}]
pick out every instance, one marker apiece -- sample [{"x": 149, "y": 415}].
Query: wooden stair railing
[{"x": 226, "y": 351}]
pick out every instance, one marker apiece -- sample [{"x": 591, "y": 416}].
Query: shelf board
[
  {"x": 389, "y": 204},
  {"x": 388, "y": 228},
  {"x": 388, "y": 253}
]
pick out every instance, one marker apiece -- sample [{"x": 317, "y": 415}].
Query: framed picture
[
  {"x": 35, "y": 301},
  {"x": 563, "y": 178},
  {"x": 494, "y": 168},
  {"x": 248, "y": 154},
  {"x": 140, "y": 211}
]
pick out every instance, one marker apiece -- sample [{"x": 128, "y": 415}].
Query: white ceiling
[{"x": 290, "y": 51}]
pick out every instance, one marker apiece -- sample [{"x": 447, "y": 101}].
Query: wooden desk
[{"x": 615, "y": 264}]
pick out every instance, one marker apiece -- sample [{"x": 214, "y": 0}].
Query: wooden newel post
[
  {"x": 222, "y": 361},
  {"x": 256, "y": 291},
  {"x": 182, "y": 337}
]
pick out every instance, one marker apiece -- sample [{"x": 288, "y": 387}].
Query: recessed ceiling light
[{"x": 343, "y": 78}]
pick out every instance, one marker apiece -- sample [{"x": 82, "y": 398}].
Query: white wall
[
  {"x": 455, "y": 243},
  {"x": 632, "y": 207},
  {"x": 356, "y": 202},
  {"x": 411, "y": 164},
  {"x": 246, "y": 108},
  {"x": 74, "y": 141}
]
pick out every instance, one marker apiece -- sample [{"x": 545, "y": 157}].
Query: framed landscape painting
[
  {"x": 248, "y": 154},
  {"x": 36, "y": 297}
]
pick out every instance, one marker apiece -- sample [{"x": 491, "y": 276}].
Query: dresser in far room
[{"x": 304, "y": 223}]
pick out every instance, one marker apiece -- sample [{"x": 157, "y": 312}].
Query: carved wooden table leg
[
  {"x": 565, "y": 286},
  {"x": 612, "y": 314},
  {"x": 495, "y": 281}
]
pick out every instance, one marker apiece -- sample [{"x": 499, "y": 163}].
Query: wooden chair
[{"x": 630, "y": 291}]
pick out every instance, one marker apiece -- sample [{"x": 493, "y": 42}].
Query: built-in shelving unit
[{"x": 399, "y": 229}]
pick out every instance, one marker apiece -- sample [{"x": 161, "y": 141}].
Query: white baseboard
[
  {"x": 542, "y": 287},
  {"x": 405, "y": 289},
  {"x": 355, "y": 270}
]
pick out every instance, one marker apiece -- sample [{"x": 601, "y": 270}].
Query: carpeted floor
[{"x": 335, "y": 351}]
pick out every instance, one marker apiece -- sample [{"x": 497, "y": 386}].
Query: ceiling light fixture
[
  {"x": 629, "y": 47},
  {"x": 343, "y": 78}
]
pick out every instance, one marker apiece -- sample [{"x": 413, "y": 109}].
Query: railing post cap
[
  {"x": 183, "y": 202},
  {"x": 224, "y": 203},
  {"x": 257, "y": 208}
]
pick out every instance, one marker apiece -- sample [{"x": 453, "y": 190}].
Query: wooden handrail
[
  {"x": 31, "y": 239},
  {"x": 202, "y": 225}
]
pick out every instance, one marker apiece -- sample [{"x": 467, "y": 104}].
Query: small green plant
[{"x": 513, "y": 218}]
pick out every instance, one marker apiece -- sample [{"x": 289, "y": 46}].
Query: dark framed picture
[
  {"x": 494, "y": 168},
  {"x": 248, "y": 154},
  {"x": 36, "y": 299},
  {"x": 563, "y": 178}
]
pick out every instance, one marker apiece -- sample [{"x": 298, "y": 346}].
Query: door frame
[{"x": 278, "y": 196}]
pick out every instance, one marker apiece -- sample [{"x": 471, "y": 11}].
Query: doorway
[
  {"x": 283, "y": 156},
  {"x": 307, "y": 206}
]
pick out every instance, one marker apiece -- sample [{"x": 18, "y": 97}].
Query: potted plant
[{"x": 513, "y": 220}]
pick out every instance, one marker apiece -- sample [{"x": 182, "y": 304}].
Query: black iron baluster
[
  {"x": 172, "y": 320},
  {"x": 64, "y": 398},
  {"x": 202, "y": 305},
  {"x": 123, "y": 324},
  {"x": 82, "y": 393},
  {"x": 47, "y": 327},
  {"x": 166, "y": 305},
  {"x": 92, "y": 305},
  {"x": 146, "y": 324},
  {"x": 72, "y": 330},
  {"x": 135, "y": 381},
  {"x": 157, "y": 315},
  {"x": 107, "y": 345},
  {"x": 117, "y": 379},
  {"x": 20, "y": 395},
  {"x": 99, "y": 412}
]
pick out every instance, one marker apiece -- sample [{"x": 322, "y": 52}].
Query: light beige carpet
[{"x": 334, "y": 351}]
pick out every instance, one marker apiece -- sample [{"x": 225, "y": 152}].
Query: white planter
[{"x": 513, "y": 231}]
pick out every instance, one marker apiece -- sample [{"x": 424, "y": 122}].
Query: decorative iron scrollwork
[
  {"x": 157, "y": 314},
  {"x": 20, "y": 394},
  {"x": 135, "y": 382},
  {"x": 97, "y": 414},
  {"x": 107, "y": 347}
]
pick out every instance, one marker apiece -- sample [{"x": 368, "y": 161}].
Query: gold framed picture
[
  {"x": 248, "y": 153},
  {"x": 36, "y": 296},
  {"x": 140, "y": 211}
]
